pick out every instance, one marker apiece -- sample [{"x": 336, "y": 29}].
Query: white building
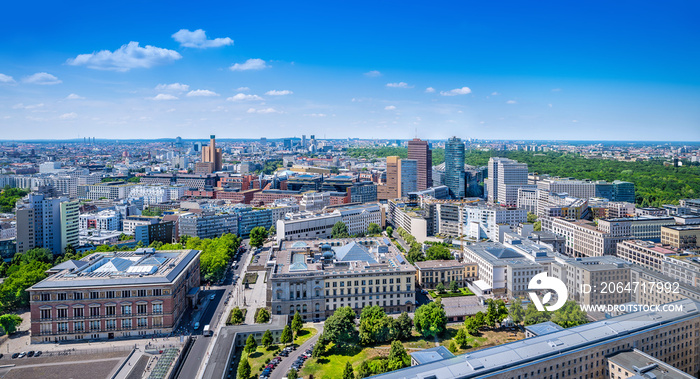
[
  {"x": 314, "y": 201},
  {"x": 151, "y": 194},
  {"x": 176, "y": 192},
  {"x": 104, "y": 220},
  {"x": 307, "y": 225},
  {"x": 505, "y": 177},
  {"x": 486, "y": 220}
]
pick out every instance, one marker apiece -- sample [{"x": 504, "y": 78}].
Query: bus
[{"x": 206, "y": 332}]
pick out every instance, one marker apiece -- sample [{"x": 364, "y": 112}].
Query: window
[
  {"x": 126, "y": 309},
  {"x": 94, "y": 295},
  {"x": 62, "y": 313},
  {"x": 78, "y": 326},
  {"x": 126, "y": 323},
  {"x": 142, "y": 322},
  {"x": 157, "y": 292},
  {"x": 142, "y": 293},
  {"x": 111, "y": 324},
  {"x": 141, "y": 308},
  {"x": 77, "y": 312},
  {"x": 78, "y": 296},
  {"x": 126, "y": 293},
  {"x": 110, "y": 310},
  {"x": 46, "y": 329},
  {"x": 109, "y": 294},
  {"x": 62, "y": 327},
  {"x": 157, "y": 308},
  {"x": 45, "y": 314},
  {"x": 94, "y": 311},
  {"x": 61, "y": 296},
  {"x": 94, "y": 325},
  {"x": 45, "y": 297}
]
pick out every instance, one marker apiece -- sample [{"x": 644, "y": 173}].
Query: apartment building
[
  {"x": 114, "y": 295},
  {"x": 110, "y": 191},
  {"x": 152, "y": 194},
  {"x": 645, "y": 227},
  {"x": 583, "y": 238},
  {"x": 647, "y": 254},
  {"x": 207, "y": 224},
  {"x": 48, "y": 222},
  {"x": 107, "y": 219},
  {"x": 316, "y": 277}
]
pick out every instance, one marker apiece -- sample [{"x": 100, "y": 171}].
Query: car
[
  {"x": 196, "y": 325},
  {"x": 212, "y": 296},
  {"x": 30, "y": 353},
  {"x": 22, "y": 355},
  {"x": 38, "y": 354},
  {"x": 15, "y": 355}
]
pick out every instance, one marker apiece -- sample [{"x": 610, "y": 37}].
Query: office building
[
  {"x": 615, "y": 191},
  {"x": 584, "y": 238},
  {"x": 408, "y": 174},
  {"x": 392, "y": 186},
  {"x": 588, "y": 278},
  {"x": 636, "y": 364},
  {"x": 505, "y": 177},
  {"x": 431, "y": 273},
  {"x": 646, "y": 227},
  {"x": 207, "y": 224},
  {"x": 153, "y": 194},
  {"x": 363, "y": 192},
  {"x": 48, "y": 222},
  {"x": 454, "y": 167},
  {"x": 307, "y": 225},
  {"x": 482, "y": 220},
  {"x": 213, "y": 155},
  {"x": 115, "y": 295},
  {"x": 109, "y": 191},
  {"x": 647, "y": 254},
  {"x": 582, "y": 351},
  {"x": 681, "y": 236},
  {"x": 316, "y": 277},
  {"x": 419, "y": 151},
  {"x": 314, "y": 201}
]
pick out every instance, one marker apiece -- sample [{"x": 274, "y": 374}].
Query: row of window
[
  {"x": 79, "y": 326},
  {"x": 363, "y": 282},
  {"x": 95, "y": 311},
  {"x": 63, "y": 296}
]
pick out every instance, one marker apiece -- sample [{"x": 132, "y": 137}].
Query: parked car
[
  {"x": 38, "y": 354},
  {"x": 30, "y": 353},
  {"x": 15, "y": 355},
  {"x": 196, "y": 325},
  {"x": 22, "y": 355},
  {"x": 212, "y": 296}
]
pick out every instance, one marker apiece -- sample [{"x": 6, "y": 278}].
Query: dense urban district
[{"x": 315, "y": 258}]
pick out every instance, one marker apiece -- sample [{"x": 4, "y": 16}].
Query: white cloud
[
  {"x": 549, "y": 105},
  {"x": 316, "y": 115},
  {"x": 574, "y": 120},
  {"x": 495, "y": 93},
  {"x": 126, "y": 57},
  {"x": 278, "y": 93},
  {"x": 241, "y": 89},
  {"x": 73, "y": 96},
  {"x": 398, "y": 85},
  {"x": 263, "y": 110},
  {"x": 389, "y": 108},
  {"x": 175, "y": 87},
  {"x": 202, "y": 92},
  {"x": 511, "y": 102},
  {"x": 556, "y": 89},
  {"x": 250, "y": 64},
  {"x": 242, "y": 97},
  {"x": 42, "y": 78},
  {"x": 68, "y": 116},
  {"x": 373, "y": 74},
  {"x": 164, "y": 96},
  {"x": 6, "y": 79},
  {"x": 30, "y": 106},
  {"x": 430, "y": 90},
  {"x": 198, "y": 39},
  {"x": 456, "y": 91}
]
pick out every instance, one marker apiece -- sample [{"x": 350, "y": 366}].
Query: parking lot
[{"x": 62, "y": 366}]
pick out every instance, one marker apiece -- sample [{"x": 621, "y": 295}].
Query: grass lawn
[
  {"x": 304, "y": 334},
  {"x": 462, "y": 292},
  {"x": 331, "y": 366},
  {"x": 251, "y": 278},
  {"x": 244, "y": 310},
  {"x": 258, "y": 358}
]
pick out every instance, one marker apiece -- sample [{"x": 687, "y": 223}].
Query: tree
[
  {"x": 319, "y": 347},
  {"x": 470, "y": 325},
  {"x": 250, "y": 344},
  {"x": 272, "y": 231},
  {"x": 267, "y": 339},
  {"x": 297, "y": 324},
  {"x": 340, "y": 230},
  {"x": 436, "y": 252},
  {"x": 389, "y": 231},
  {"x": 531, "y": 217},
  {"x": 462, "y": 337},
  {"x": 263, "y": 316},
  {"x": 10, "y": 322},
  {"x": 286, "y": 336},
  {"x": 517, "y": 313},
  {"x": 454, "y": 287},
  {"x": 537, "y": 226},
  {"x": 397, "y": 356},
  {"x": 69, "y": 250},
  {"x": 236, "y": 316},
  {"x": 339, "y": 328},
  {"x": 402, "y": 326},
  {"x": 570, "y": 314},
  {"x": 440, "y": 288},
  {"x": 533, "y": 316},
  {"x": 258, "y": 235},
  {"x": 364, "y": 371},
  {"x": 373, "y": 228},
  {"x": 244, "y": 369},
  {"x": 374, "y": 325},
  {"x": 430, "y": 319},
  {"x": 491, "y": 313},
  {"x": 501, "y": 310},
  {"x": 292, "y": 374},
  {"x": 348, "y": 373}
]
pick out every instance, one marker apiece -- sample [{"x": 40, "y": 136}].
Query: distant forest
[{"x": 655, "y": 184}]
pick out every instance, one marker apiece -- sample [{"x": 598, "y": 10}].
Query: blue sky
[{"x": 501, "y": 70}]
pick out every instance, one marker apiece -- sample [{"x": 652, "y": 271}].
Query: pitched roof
[{"x": 353, "y": 252}]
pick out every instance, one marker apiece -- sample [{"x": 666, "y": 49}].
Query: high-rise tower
[
  {"x": 454, "y": 166},
  {"x": 419, "y": 151},
  {"x": 212, "y": 154}
]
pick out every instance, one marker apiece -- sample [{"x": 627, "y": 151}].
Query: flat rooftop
[
  {"x": 646, "y": 366},
  {"x": 442, "y": 263},
  {"x": 140, "y": 267}
]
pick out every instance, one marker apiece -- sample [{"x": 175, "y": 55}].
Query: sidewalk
[{"x": 129, "y": 365}]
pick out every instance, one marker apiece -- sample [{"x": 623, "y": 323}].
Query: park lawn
[
  {"x": 462, "y": 292},
  {"x": 304, "y": 334},
  {"x": 331, "y": 366},
  {"x": 257, "y": 358}
]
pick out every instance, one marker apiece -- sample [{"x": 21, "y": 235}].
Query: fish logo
[{"x": 543, "y": 282}]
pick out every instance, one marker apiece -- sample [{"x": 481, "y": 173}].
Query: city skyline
[{"x": 513, "y": 72}]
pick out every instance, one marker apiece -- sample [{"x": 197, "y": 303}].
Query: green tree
[
  {"x": 375, "y": 325},
  {"x": 437, "y": 252},
  {"x": 297, "y": 323},
  {"x": 258, "y": 235},
  {"x": 319, "y": 347},
  {"x": 389, "y": 231},
  {"x": 462, "y": 337},
  {"x": 537, "y": 226},
  {"x": 397, "y": 356},
  {"x": 531, "y": 217},
  {"x": 364, "y": 371},
  {"x": 348, "y": 373},
  {"x": 415, "y": 254},
  {"x": 402, "y": 326},
  {"x": 340, "y": 230},
  {"x": 250, "y": 344},
  {"x": 236, "y": 317},
  {"x": 471, "y": 325},
  {"x": 272, "y": 231},
  {"x": 440, "y": 288},
  {"x": 69, "y": 250},
  {"x": 34, "y": 255},
  {"x": 491, "y": 313},
  {"x": 373, "y": 228},
  {"x": 287, "y": 336},
  {"x": 340, "y": 328},
  {"x": 454, "y": 287},
  {"x": 244, "y": 369},
  {"x": 20, "y": 276},
  {"x": 453, "y": 347},
  {"x": 517, "y": 313},
  {"x": 267, "y": 339},
  {"x": 10, "y": 322},
  {"x": 533, "y": 316},
  {"x": 480, "y": 319},
  {"x": 570, "y": 314},
  {"x": 263, "y": 316},
  {"x": 292, "y": 374},
  {"x": 430, "y": 319}
]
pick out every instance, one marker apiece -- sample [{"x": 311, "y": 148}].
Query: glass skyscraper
[{"x": 454, "y": 167}]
